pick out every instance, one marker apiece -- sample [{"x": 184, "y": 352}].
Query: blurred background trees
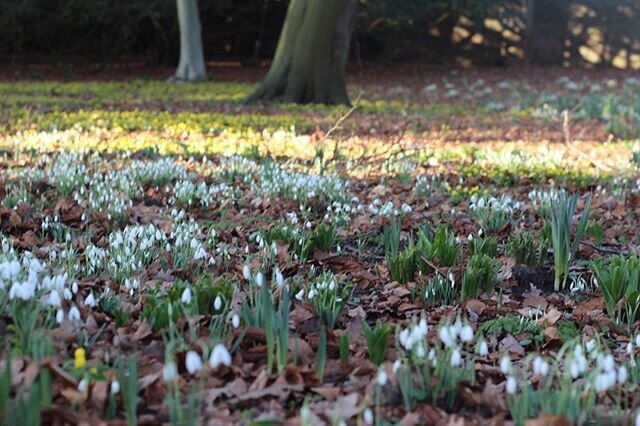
[{"x": 486, "y": 32}]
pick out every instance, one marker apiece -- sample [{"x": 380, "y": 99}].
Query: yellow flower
[{"x": 79, "y": 358}]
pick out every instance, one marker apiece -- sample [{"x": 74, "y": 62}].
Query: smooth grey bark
[
  {"x": 547, "y": 22},
  {"x": 191, "y": 65},
  {"x": 312, "y": 53}
]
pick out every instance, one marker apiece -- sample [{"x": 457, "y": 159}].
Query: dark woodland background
[{"x": 465, "y": 32}]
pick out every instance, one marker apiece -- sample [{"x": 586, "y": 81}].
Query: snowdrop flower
[
  {"x": 74, "y": 287},
  {"x": 279, "y": 278},
  {"x": 466, "y": 333},
  {"x": 368, "y": 416},
  {"x": 115, "y": 387},
  {"x": 67, "y": 294},
  {"x": 54, "y": 298},
  {"x": 456, "y": 358},
  {"x": 219, "y": 356},
  {"x": 511, "y": 385},
  {"x": 235, "y": 320},
  {"x": 382, "y": 377},
  {"x": 217, "y": 304},
  {"x": 312, "y": 294},
  {"x": 246, "y": 272},
  {"x": 540, "y": 366},
  {"x": 60, "y": 316},
  {"x": 396, "y": 365},
  {"x": 505, "y": 364},
  {"x": 260, "y": 279},
  {"x": 300, "y": 295},
  {"x": 445, "y": 336},
  {"x": 638, "y": 340},
  {"x": 90, "y": 301},
  {"x": 83, "y": 386},
  {"x": 169, "y": 372},
  {"x": 193, "y": 362},
  {"x": 574, "y": 369},
  {"x": 623, "y": 374},
  {"x": 186, "y": 296},
  {"x": 483, "y": 349},
  {"x": 74, "y": 314}
]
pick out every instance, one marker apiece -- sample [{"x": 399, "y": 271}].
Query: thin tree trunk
[
  {"x": 312, "y": 53},
  {"x": 191, "y": 66},
  {"x": 547, "y": 22}
]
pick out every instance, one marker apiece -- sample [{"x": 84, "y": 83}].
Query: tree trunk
[
  {"x": 312, "y": 53},
  {"x": 191, "y": 66},
  {"x": 547, "y": 22}
]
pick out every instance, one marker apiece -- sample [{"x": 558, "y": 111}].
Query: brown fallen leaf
[{"x": 548, "y": 420}]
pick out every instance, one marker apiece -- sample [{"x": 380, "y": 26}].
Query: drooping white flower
[
  {"x": 90, "y": 300},
  {"x": 246, "y": 272},
  {"x": 186, "y": 296},
  {"x": 235, "y": 320},
  {"x": 193, "y": 362},
  {"x": 623, "y": 374},
  {"x": 511, "y": 385},
  {"x": 219, "y": 356},
  {"x": 60, "y": 316},
  {"x": 367, "y": 416},
  {"x": 445, "y": 336},
  {"x": 217, "y": 303},
  {"x": 540, "y": 366},
  {"x": 396, "y": 365},
  {"x": 505, "y": 364},
  {"x": 279, "y": 278},
  {"x": 114, "y": 389},
  {"x": 483, "y": 348},
  {"x": 456, "y": 358},
  {"x": 466, "y": 333},
  {"x": 382, "y": 377},
  {"x": 54, "y": 299},
  {"x": 83, "y": 386},
  {"x": 300, "y": 295},
  {"x": 74, "y": 314},
  {"x": 170, "y": 372},
  {"x": 260, "y": 279}
]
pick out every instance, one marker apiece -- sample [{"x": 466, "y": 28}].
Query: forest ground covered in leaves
[{"x": 459, "y": 247}]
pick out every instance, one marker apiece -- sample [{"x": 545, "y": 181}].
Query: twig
[{"x": 604, "y": 249}]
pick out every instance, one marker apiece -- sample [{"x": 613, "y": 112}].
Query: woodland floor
[{"x": 141, "y": 220}]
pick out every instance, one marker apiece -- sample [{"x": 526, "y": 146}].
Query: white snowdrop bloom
[
  {"x": 235, "y": 320},
  {"x": 300, "y": 295},
  {"x": 312, "y": 294},
  {"x": 420, "y": 352},
  {"x": 512, "y": 385},
  {"x": 483, "y": 349},
  {"x": 382, "y": 377},
  {"x": 396, "y": 366},
  {"x": 505, "y": 364},
  {"x": 466, "y": 333},
  {"x": 186, "y": 296},
  {"x": 67, "y": 294},
  {"x": 114, "y": 389},
  {"x": 169, "y": 372},
  {"x": 456, "y": 358},
  {"x": 604, "y": 381},
  {"x": 74, "y": 314},
  {"x": 607, "y": 363},
  {"x": 90, "y": 301},
  {"x": 54, "y": 299},
  {"x": 480, "y": 232},
  {"x": 540, "y": 366},
  {"x": 279, "y": 278},
  {"x": 83, "y": 386},
  {"x": 452, "y": 278},
  {"x": 406, "y": 208},
  {"x": 629, "y": 348},
  {"x": 219, "y": 356},
  {"x": 470, "y": 237},
  {"x": 60, "y": 316},
  {"x": 246, "y": 272},
  {"x": 367, "y": 416},
  {"x": 590, "y": 345},
  {"x": 638, "y": 340},
  {"x": 260, "y": 279},
  {"x": 574, "y": 369},
  {"x": 217, "y": 304},
  {"x": 193, "y": 362},
  {"x": 445, "y": 336},
  {"x": 74, "y": 287},
  {"x": 623, "y": 374}
]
